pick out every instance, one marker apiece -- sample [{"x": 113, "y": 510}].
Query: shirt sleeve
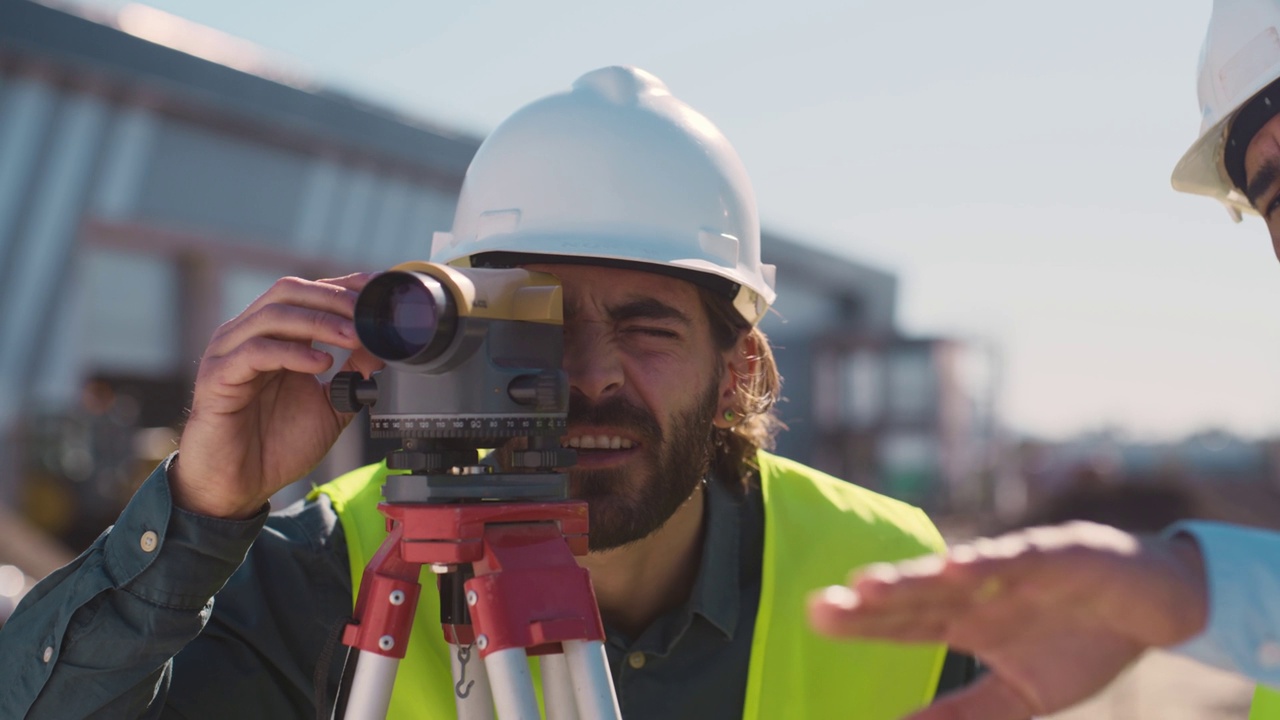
[
  {"x": 96, "y": 638},
  {"x": 1242, "y": 566}
]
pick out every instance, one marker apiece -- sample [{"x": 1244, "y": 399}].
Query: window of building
[
  {"x": 130, "y": 315},
  {"x": 863, "y": 389},
  {"x": 912, "y": 385}
]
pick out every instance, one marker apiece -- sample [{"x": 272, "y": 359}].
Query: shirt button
[
  {"x": 1269, "y": 654},
  {"x": 148, "y": 541},
  {"x": 48, "y": 653},
  {"x": 636, "y": 660}
]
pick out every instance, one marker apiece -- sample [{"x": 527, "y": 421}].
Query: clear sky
[{"x": 1008, "y": 160}]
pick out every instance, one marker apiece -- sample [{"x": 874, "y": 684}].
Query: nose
[{"x": 592, "y": 362}]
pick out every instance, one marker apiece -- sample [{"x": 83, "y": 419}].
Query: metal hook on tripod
[{"x": 464, "y": 655}]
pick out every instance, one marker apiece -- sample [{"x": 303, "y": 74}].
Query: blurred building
[
  {"x": 158, "y": 175},
  {"x": 914, "y": 418},
  {"x": 911, "y": 417}
]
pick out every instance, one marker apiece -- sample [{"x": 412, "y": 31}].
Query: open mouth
[
  {"x": 600, "y": 449},
  {"x": 597, "y": 442}
]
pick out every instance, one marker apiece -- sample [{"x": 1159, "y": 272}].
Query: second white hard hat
[
  {"x": 1239, "y": 60},
  {"x": 615, "y": 171}
]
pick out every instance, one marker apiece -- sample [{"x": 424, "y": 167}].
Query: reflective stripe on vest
[{"x": 817, "y": 528}]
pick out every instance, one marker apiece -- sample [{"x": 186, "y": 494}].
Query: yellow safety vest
[
  {"x": 1266, "y": 704},
  {"x": 817, "y": 528}
]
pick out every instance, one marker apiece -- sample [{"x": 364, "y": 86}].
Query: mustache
[{"x": 614, "y": 411}]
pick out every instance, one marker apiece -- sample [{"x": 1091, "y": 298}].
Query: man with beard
[{"x": 703, "y": 545}]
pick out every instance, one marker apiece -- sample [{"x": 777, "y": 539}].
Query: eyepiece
[{"x": 406, "y": 317}]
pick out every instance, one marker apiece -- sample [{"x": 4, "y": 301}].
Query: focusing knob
[
  {"x": 431, "y": 461},
  {"x": 415, "y": 461},
  {"x": 349, "y": 391},
  {"x": 553, "y": 391},
  {"x": 545, "y": 392},
  {"x": 544, "y": 459}
]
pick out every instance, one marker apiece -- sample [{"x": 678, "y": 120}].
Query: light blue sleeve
[{"x": 1242, "y": 566}]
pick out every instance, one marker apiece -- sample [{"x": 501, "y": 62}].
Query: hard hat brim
[
  {"x": 751, "y": 295},
  {"x": 1200, "y": 172}
]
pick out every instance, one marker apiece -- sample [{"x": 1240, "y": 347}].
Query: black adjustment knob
[
  {"x": 420, "y": 462},
  {"x": 553, "y": 391},
  {"x": 544, "y": 459},
  {"x": 349, "y": 391},
  {"x": 545, "y": 392}
]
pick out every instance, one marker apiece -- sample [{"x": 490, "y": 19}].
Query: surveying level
[{"x": 474, "y": 361}]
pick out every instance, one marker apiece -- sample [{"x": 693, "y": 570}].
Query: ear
[{"x": 738, "y": 366}]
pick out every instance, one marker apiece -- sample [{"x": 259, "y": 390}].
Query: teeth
[{"x": 597, "y": 442}]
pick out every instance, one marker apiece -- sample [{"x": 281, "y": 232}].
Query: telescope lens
[
  {"x": 413, "y": 316},
  {"x": 405, "y": 316}
]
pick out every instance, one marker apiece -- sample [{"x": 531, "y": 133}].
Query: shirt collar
[{"x": 715, "y": 593}]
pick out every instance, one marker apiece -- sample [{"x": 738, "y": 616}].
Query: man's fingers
[
  {"x": 879, "y": 594},
  {"x": 964, "y": 604},
  {"x": 285, "y": 322},
  {"x": 990, "y": 698},
  {"x": 1002, "y": 573},
  {"x": 839, "y": 612},
  {"x": 332, "y": 294},
  {"x": 337, "y": 295},
  {"x": 922, "y": 584},
  {"x": 354, "y": 281},
  {"x": 262, "y": 355}
]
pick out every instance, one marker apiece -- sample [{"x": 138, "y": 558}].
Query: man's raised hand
[
  {"x": 1054, "y": 613},
  {"x": 260, "y": 418}
]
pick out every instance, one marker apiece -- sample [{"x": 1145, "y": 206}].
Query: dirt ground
[{"x": 1163, "y": 686}]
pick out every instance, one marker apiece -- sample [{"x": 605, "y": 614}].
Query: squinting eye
[{"x": 652, "y": 332}]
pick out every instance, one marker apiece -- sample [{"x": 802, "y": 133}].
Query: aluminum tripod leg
[
  {"x": 371, "y": 687},
  {"x": 575, "y": 685},
  {"x": 527, "y": 595},
  {"x": 388, "y": 596},
  {"x": 592, "y": 682},
  {"x": 471, "y": 689},
  {"x": 512, "y": 685},
  {"x": 561, "y": 695},
  {"x": 557, "y": 687}
]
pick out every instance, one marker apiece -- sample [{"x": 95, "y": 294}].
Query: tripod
[
  {"x": 509, "y": 587},
  {"x": 474, "y": 360}
]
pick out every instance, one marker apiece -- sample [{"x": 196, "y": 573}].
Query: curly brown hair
[{"x": 756, "y": 425}]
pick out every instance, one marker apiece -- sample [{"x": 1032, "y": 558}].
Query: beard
[{"x": 626, "y": 505}]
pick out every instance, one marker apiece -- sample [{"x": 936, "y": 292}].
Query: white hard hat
[
  {"x": 615, "y": 171},
  {"x": 1238, "y": 63}
]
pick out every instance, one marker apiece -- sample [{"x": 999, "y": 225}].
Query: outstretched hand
[
  {"x": 1054, "y": 613},
  {"x": 260, "y": 418}
]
